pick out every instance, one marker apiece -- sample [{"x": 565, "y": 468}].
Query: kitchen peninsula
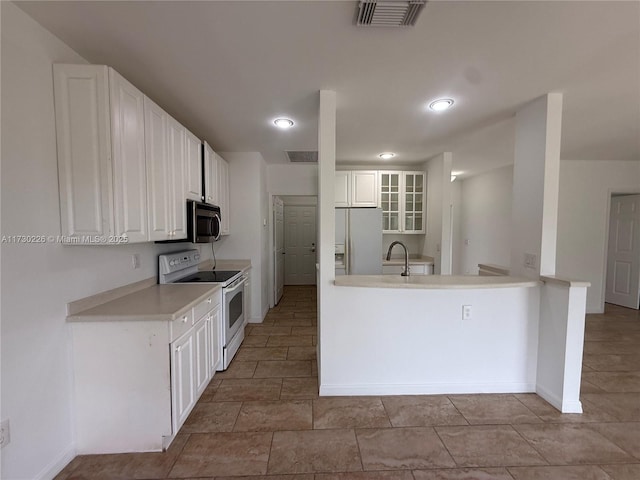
[{"x": 451, "y": 334}]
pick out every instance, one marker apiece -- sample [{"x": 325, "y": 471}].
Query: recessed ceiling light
[
  {"x": 441, "y": 104},
  {"x": 387, "y": 155},
  {"x": 283, "y": 123}
]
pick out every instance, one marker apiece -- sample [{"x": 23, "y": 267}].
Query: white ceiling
[{"x": 227, "y": 69}]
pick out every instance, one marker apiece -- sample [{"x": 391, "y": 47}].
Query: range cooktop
[{"x": 210, "y": 276}]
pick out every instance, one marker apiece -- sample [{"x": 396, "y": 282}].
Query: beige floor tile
[
  {"x": 294, "y": 322},
  {"x": 249, "y": 389},
  {"x": 283, "y": 368},
  {"x": 421, "y": 410},
  {"x": 614, "y": 382},
  {"x": 493, "y": 409},
  {"x": 219, "y": 454},
  {"x": 270, "y": 330},
  {"x": 488, "y": 446},
  {"x": 256, "y": 353},
  {"x": 572, "y": 444},
  {"x": 399, "y": 475},
  {"x": 624, "y": 435},
  {"x": 212, "y": 417},
  {"x": 302, "y": 353},
  {"x": 623, "y": 406},
  {"x": 289, "y": 340},
  {"x": 304, "y": 330},
  {"x": 611, "y": 348},
  {"x": 550, "y": 414},
  {"x": 299, "y": 388},
  {"x": 238, "y": 369},
  {"x": 463, "y": 474},
  {"x": 623, "y": 472},
  {"x": 255, "y": 340},
  {"x": 402, "y": 449},
  {"x": 590, "y": 472},
  {"x": 274, "y": 416},
  {"x": 349, "y": 412},
  {"x": 125, "y": 465},
  {"x": 612, "y": 363},
  {"x": 611, "y": 336},
  {"x": 588, "y": 387},
  {"x": 314, "y": 451},
  {"x": 305, "y": 476}
]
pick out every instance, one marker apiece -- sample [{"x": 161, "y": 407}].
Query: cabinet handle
[
  {"x": 208, "y": 300},
  {"x": 184, "y": 319},
  {"x": 178, "y": 348}
]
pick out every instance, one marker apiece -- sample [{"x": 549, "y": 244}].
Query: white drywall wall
[
  {"x": 437, "y": 243},
  {"x": 585, "y": 191}
]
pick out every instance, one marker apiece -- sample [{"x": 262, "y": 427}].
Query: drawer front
[
  {"x": 181, "y": 324},
  {"x": 207, "y": 305}
]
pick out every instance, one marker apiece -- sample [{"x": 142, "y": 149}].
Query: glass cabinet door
[
  {"x": 390, "y": 201},
  {"x": 413, "y": 202}
]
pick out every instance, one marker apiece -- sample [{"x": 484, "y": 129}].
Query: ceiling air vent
[
  {"x": 303, "y": 157},
  {"x": 389, "y": 13}
]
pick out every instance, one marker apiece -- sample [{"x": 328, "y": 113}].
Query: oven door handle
[{"x": 234, "y": 286}]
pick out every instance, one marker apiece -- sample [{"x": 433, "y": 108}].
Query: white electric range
[{"x": 182, "y": 267}]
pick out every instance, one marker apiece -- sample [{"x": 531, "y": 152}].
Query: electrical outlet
[
  {"x": 135, "y": 260},
  {"x": 530, "y": 260},
  {"x": 466, "y": 312},
  {"x": 5, "y": 433},
  {"x": 466, "y": 241}
]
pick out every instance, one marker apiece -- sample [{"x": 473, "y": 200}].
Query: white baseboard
[
  {"x": 56, "y": 466},
  {"x": 564, "y": 406},
  {"x": 425, "y": 389}
]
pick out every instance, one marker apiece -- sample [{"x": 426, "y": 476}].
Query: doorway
[
  {"x": 623, "y": 252},
  {"x": 299, "y": 244}
]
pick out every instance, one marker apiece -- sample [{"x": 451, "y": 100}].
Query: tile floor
[{"x": 262, "y": 419}]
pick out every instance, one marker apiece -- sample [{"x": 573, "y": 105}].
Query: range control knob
[{"x": 196, "y": 256}]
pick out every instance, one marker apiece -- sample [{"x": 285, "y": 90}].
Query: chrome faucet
[{"x": 406, "y": 257}]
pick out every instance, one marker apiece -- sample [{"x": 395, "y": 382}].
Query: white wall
[
  {"x": 585, "y": 191},
  {"x": 288, "y": 179},
  {"x": 437, "y": 240},
  {"x": 486, "y": 219},
  {"x": 248, "y": 238},
  {"x": 39, "y": 279},
  {"x": 414, "y": 244}
]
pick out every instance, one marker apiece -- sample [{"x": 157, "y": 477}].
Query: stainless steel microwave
[{"x": 203, "y": 222}]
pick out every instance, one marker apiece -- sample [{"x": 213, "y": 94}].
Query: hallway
[{"x": 263, "y": 419}]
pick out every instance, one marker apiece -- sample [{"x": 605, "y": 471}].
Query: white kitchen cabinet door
[
  {"x": 202, "y": 355},
  {"x": 390, "y": 201},
  {"x": 223, "y": 189},
  {"x": 158, "y": 171},
  {"x": 193, "y": 167},
  {"x": 84, "y": 149},
  {"x": 210, "y": 176},
  {"x": 413, "y": 202},
  {"x": 364, "y": 188},
  {"x": 343, "y": 189},
  {"x": 177, "y": 192},
  {"x": 128, "y": 157},
  {"x": 215, "y": 340},
  {"x": 183, "y": 381}
]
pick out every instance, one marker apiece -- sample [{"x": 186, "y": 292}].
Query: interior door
[
  {"x": 300, "y": 245},
  {"x": 623, "y": 257},
  {"x": 278, "y": 248}
]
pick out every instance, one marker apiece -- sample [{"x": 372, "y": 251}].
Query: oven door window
[{"x": 235, "y": 310}]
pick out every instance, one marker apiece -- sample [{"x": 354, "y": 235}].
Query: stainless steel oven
[{"x": 182, "y": 267}]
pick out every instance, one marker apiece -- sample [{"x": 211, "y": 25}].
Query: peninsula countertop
[
  {"x": 157, "y": 302},
  {"x": 433, "y": 281}
]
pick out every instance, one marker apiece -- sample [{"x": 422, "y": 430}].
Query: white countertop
[
  {"x": 433, "y": 281},
  {"x": 158, "y": 302}
]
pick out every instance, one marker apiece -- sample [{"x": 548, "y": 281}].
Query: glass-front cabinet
[{"x": 402, "y": 199}]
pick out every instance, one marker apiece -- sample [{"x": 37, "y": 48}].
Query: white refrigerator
[{"x": 359, "y": 241}]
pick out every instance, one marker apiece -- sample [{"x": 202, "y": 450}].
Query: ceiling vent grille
[
  {"x": 303, "y": 157},
  {"x": 389, "y": 13}
]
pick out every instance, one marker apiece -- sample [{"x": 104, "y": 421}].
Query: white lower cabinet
[
  {"x": 183, "y": 379},
  {"x": 414, "y": 269},
  {"x": 136, "y": 381}
]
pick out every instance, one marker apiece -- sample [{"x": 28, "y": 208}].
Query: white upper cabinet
[
  {"x": 343, "y": 189},
  {"x": 165, "y": 141},
  {"x": 402, "y": 199},
  {"x": 358, "y": 188},
  {"x": 210, "y": 176},
  {"x": 223, "y": 193},
  {"x": 193, "y": 167},
  {"x": 101, "y": 155}
]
